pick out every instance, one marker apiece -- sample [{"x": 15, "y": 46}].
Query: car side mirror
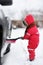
[{"x": 5, "y": 2}]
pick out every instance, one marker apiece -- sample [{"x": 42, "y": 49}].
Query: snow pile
[{"x": 19, "y": 55}]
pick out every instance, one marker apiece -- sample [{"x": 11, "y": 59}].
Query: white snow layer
[{"x": 19, "y": 54}]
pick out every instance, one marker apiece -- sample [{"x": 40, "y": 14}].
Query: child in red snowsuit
[{"x": 32, "y": 35}]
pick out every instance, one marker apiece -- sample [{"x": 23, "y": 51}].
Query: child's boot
[{"x": 31, "y": 54}]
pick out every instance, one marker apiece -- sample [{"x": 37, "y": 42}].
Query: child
[{"x": 32, "y": 35}]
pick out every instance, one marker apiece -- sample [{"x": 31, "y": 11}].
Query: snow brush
[{"x": 13, "y": 40}]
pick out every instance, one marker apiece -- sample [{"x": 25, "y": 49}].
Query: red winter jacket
[{"x": 32, "y": 35}]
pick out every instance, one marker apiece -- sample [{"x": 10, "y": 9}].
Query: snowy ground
[{"x": 19, "y": 55}]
